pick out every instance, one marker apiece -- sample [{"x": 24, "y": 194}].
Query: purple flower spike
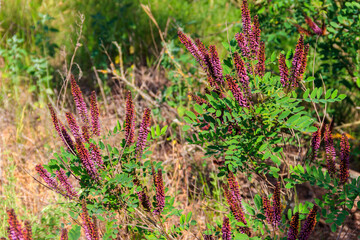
[
  {"x": 294, "y": 227},
  {"x": 94, "y": 110},
  {"x": 96, "y": 156},
  {"x": 86, "y": 160},
  {"x": 60, "y": 129},
  {"x": 226, "y": 229},
  {"x": 130, "y": 119},
  {"x": 64, "y": 234},
  {"x": 14, "y": 229},
  {"x": 255, "y": 36},
  {"x": 241, "y": 70},
  {"x": 143, "y": 197},
  {"x": 143, "y": 133},
  {"x": 85, "y": 133},
  {"x": 309, "y": 224},
  {"x": 235, "y": 205},
  {"x": 79, "y": 101},
  {"x": 160, "y": 191},
  {"x": 330, "y": 150},
  {"x": 317, "y": 30},
  {"x": 216, "y": 65},
  {"x": 344, "y": 158},
  {"x": 260, "y": 66},
  {"x": 268, "y": 210},
  {"x": 296, "y": 63},
  {"x": 243, "y": 44},
  {"x": 191, "y": 47},
  {"x": 234, "y": 186},
  {"x": 75, "y": 130},
  {"x": 235, "y": 89},
  {"x": 50, "y": 181},
  {"x": 276, "y": 205},
  {"x": 303, "y": 62},
  {"x": 89, "y": 226},
  {"x": 245, "y": 18},
  {"x": 65, "y": 184},
  {"x": 315, "y": 142},
  {"x": 284, "y": 71},
  {"x": 208, "y": 237}
]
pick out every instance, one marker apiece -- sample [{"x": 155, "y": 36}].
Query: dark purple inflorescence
[
  {"x": 79, "y": 101},
  {"x": 143, "y": 133},
  {"x": 276, "y": 205},
  {"x": 294, "y": 227},
  {"x": 284, "y": 71},
  {"x": 296, "y": 63},
  {"x": 344, "y": 158},
  {"x": 94, "y": 111},
  {"x": 130, "y": 119},
  {"x": 160, "y": 191},
  {"x": 64, "y": 234},
  {"x": 66, "y": 185},
  {"x": 86, "y": 160},
  {"x": 236, "y": 91},
  {"x": 143, "y": 197},
  {"x": 315, "y": 142},
  {"x": 330, "y": 150},
  {"x": 75, "y": 130},
  {"x": 309, "y": 224},
  {"x": 89, "y": 226},
  {"x": 226, "y": 229}
]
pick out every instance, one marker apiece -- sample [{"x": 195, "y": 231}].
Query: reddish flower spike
[
  {"x": 79, "y": 100},
  {"x": 296, "y": 63},
  {"x": 94, "y": 110},
  {"x": 315, "y": 142},
  {"x": 268, "y": 210},
  {"x": 294, "y": 227},
  {"x": 130, "y": 119},
  {"x": 260, "y": 66},
  {"x": 344, "y": 158},
  {"x": 235, "y": 89},
  {"x": 64, "y": 234},
  {"x": 160, "y": 192},
  {"x": 276, "y": 205},
  {"x": 330, "y": 150},
  {"x": 309, "y": 224},
  {"x": 75, "y": 130},
  {"x": 284, "y": 71},
  {"x": 317, "y": 30},
  {"x": 14, "y": 229},
  {"x": 89, "y": 226},
  {"x": 143, "y": 133},
  {"x": 226, "y": 229}
]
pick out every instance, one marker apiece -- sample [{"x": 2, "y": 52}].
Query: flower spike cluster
[
  {"x": 60, "y": 129},
  {"x": 309, "y": 224},
  {"x": 315, "y": 142},
  {"x": 232, "y": 194},
  {"x": 65, "y": 188},
  {"x": 260, "y": 66},
  {"x": 15, "y": 231},
  {"x": 143, "y": 133},
  {"x": 330, "y": 150},
  {"x": 284, "y": 71},
  {"x": 94, "y": 111},
  {"x": 273, "y": 211},
  {"x": 143, "y": 197},
  {"x": 79, "y": 100},
  {"x": 294, "y": 227},
  {"x": 208, "y": 59},
  {"x": 317, "y": 30},
  {"x": 298, "y": 66},
  {"x": 89, "y": 226},
  {"x": 160, "y": 191},
  {"x": 344, "y": 158},
  {"x": 130, "y": 119},
  {"x": 236, "y": 91},
  {"x": 226, "y": 229},
  {"x": 75, "y": 130},
  {"x": 208, "y": 237},
  {"x": 86, "y": 160},
  {"x": 64, "y": 234},
  {"x": 66, "y": 185}
]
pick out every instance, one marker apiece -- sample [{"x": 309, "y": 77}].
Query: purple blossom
[
  {"x": 255, "y": 36},
  {"x": 14, "y": 229},
  {"x": 75, "y": 130},
  {"x": 67, "y": 188},
  {"x": 330, "y": 150},
  {"x": 303, "y": 62},
  {"x": 236, "y": 91},
  {"x": 309, "y": 224},
  {"x": 85, "y": 133},
  {"x": 276, "y": 205},
  {"x": 130, "y": 119},
  {"x": 317, "y": 30},
  {"x": 260, "y": 66},
  {"x": 226, "y": 229},
  {"x": 243, "y": 44},
  {"x": 284, "y": 71},
  {"x": 268, "y": 210},
  {"x": 296, "y": 63},
  {"x": 294, "y": 227},
  {"x": 191, "y": 47},
  {"x": 46, "y": 176},
  {"x": 143, "y": 197},
  {"x": 245, "y": 18},
  {"x": 241, "y": 70},
  {"x": 64, "y": 234},
  {"x": 96, "y": 156},
  {"x": 143, "y": 133},
  {"x": 216, "y": 65},
  {"x": 344, "y": 158},
  {"x": 94, "y": 110},
  {"x": 160, "y": 191},
  {"x": 89, "y": 226},
  {"x": 315, "y": 142},
  {"x": 86, "y": 161},
  {"x": 235, "y": 204},
  {"x": 79, "y": 101}
]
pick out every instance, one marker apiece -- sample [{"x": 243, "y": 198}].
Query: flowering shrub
[{"x": 246, "y": 119}]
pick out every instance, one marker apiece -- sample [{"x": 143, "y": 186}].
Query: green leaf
[
  {"x": 191, "y": 115},
  {"x": 163, "y": 130},
  {"x": 334, "y": 94},
  {"x": 273, "y": 56},
  {"x": 75, "y": 232},
  {"x": 333, "y": 227},
  {"x": 198, "y": 109},
  {"x": 284, "y": 114},
  {"x": 188, "y": 217},
  {"x": 306, "y": 93},
  {"x": 185, "y": 128},
  {"x": 342, "y": 96}
]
